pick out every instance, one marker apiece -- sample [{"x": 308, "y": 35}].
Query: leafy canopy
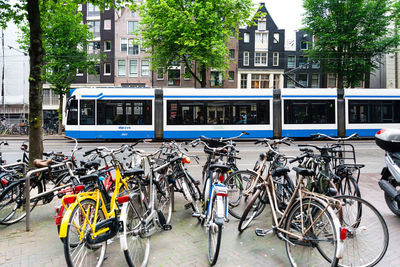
[
  {"x": 349, "y": 34},
  {"x": 191, "y": 31},
  {"x": 64, "y": 40}
]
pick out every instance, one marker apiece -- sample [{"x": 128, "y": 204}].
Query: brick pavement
[{"x": 185, "y": 245}]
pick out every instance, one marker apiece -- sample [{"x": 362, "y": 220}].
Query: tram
[{"x": 172, "y": 113}]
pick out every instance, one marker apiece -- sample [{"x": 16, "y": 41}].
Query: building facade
[{"x": 261, "y": 54}]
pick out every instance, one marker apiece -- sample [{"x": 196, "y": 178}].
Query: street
[{"x": 186, "y": 243}]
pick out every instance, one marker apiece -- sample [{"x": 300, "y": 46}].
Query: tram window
[
  {"x": 87, "y": 112},
  {"x": 217, "y": 112},
  {"x": 374, "y": 111},
  {"x": 309, "y": 111},
  {"x": 123, "y": 112},
  {"x": 72, "y": 118}
]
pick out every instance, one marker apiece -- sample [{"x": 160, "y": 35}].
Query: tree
[
  {"x": 349, "y": 36},
  {"x": 30, "y": 9},
  {"x": 64, "y": 40},
  {"x": 192, "y": 32}
]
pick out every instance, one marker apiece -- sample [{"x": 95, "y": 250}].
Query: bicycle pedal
[
  {"x": 167, "y": 227},
  {"x": 262, "y": 232},
  {"x": 188, "y": 206}
]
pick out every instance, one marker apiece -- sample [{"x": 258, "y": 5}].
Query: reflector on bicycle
[
  {"x": 221, "y": 178},
  {"x": 68, "y": 199},
  {"x": 79, "y": 188},
  {"x": 343, "y": 233},
  {"x": 186, "y": 160},
  {"x": 123, "y": 199}
]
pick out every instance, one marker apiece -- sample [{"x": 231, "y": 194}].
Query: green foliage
[
  {"x": 64, "y": 42},
  {"x": 192, "y": 31},
  {"x": 350, "y": 35}
]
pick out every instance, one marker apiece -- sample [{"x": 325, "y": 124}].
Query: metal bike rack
[{"x": 27, "y": 187}]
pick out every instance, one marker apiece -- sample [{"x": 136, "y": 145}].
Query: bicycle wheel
[
  {"x": 320, "y": 237},
  {"x": 195, "y": 193},
  {"x": 348, "y": 186},
  {"x": 12, "y": 201},
  {"x": 237, "y": 183},
  {"x": 77, "y": 251},
  {"x": 253, "y": 209},
  {"x": 284, "y": 189},
  {"x": 214, "y": 236},
  {"x": 367, "y": 233},
  {"x": 163, "y": 198},
  {"x": 138, "y": 245}
]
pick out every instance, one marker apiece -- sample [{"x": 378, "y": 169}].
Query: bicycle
[{"x": 307, "y": 222}]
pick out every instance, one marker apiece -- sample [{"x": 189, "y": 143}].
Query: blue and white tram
[
  {"x": 309, "y": 111},
  {"x": 369, "y": 110},
  {"x": 190, "y": 113},
  {"x": 110, "y": 113}
]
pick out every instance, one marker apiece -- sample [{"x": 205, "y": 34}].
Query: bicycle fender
[
  {"x": 122, "y": 237},
  {"x": 66, "y": 218}
]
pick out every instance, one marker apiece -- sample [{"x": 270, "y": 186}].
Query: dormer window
[{"x": 262, "y": 25}]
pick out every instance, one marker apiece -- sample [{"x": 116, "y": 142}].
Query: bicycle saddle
[
  {"x": 222, "y": 167},
  {"x": 93, "y": 164},
  {"x": 280, "y": 171},
  {"x": 89, "y": 178},
  {"x": 41, "y": 163},
  {"x": 304, "y": 171}
]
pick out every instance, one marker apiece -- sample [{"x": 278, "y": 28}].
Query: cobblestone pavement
[{"x": 184, "y": 245}]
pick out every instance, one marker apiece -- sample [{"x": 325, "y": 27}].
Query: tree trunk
[
  {"x": 60, "y": 113},
  {"x": 203, "y": 73},
  {"x": 35, "y": 83}
]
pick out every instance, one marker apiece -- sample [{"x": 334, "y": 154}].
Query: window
[
  {"x": 275, "y": 59},
  {"x": 72, "y": 116},
  {"x": 304, "y": 45},
  {"x": 262, "y": 25},
  {"x": 261, "y": 38},
  {"x": 92, "y": 10},
  {"x": 107, "y": 68},
  {"x": 314, "y": 80},
  {"x": 302, "y": 61},
  {"x": 232, "y": 54},
  {"x": 309, "y": 111},
  {"x": 243, "y": 81},
  {"x": 87, "y": 112},
  {"x": 216, "y": 79},
  {"x": 145, "y": 65},
  {"x": 187, "y": 75},
  {"x": 121, "y": 68},
  {"x": 231, "y": 76},
  {"x": 94, "y": 48},
  {"x": 291, "y": 63},
  {"x": 260, "y": 81},
  {"x": 107, "y": 24},
  {"x": 133, "y": 49},
  {"x": 245, "y": 58},
  {"x": 260, "y": 58},
  {"x": 303, "y": 79},
  {"x": 133, "y": 68},
  {"x": 246, "y": 37},
  {"x": 132, "y": 26},
  {"x": 331, "y": 80},
  {"x": 124, "y": 112},
  {"x": 160, "y": 74},
  {"x": 94, "y": 27},
  {"x": 174, "y": 77},
  {"x": 276, "y": 38},
  {"x": 107, "y": 46},
  {"x": 374, "y": 111},
  {"x": 124, "y": 44},
  {"x": 290, "y": 81},
  {"x": 79, "y": 72},
  {"x": 217, "y": 112}
]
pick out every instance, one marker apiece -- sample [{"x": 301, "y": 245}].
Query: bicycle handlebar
[{"x": 319, "y": 135}]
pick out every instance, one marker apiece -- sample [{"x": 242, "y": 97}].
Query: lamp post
[{"x": 2, "y": 74}]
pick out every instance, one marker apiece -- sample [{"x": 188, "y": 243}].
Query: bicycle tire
[
  {"x": 214, "y": 237},
  {"x": 95, "y": 254},
  {"x": 12, "y": 201},
  {"x": 138, "y": 245},
  {"x": 236, "y": 183},
  {"x": 367, "y": 237},
  {"x": 251, "y": 208},
  {"x": 196, "y": 194},
  {"x": 163, "y": 201},
  {"x": 349, "y": 186},
  {"x": 302, "y": 253}
]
